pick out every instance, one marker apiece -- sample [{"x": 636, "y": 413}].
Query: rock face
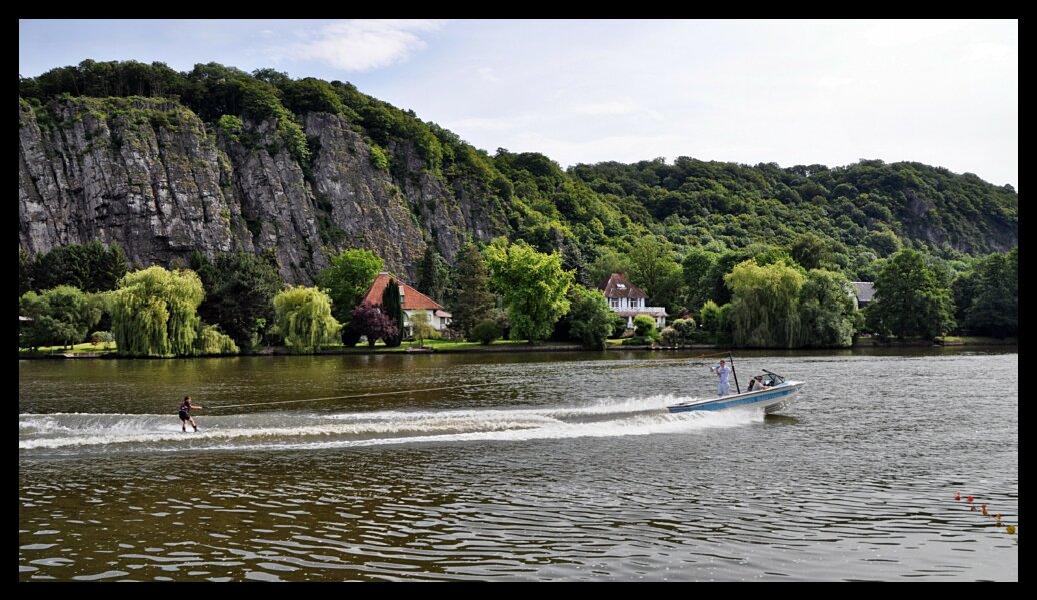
[{"x": 148, "y": 175}]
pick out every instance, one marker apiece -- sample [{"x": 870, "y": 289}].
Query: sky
[{"x": 944, "y": 93}]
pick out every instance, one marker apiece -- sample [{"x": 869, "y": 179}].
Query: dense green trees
[
  {"x": 433, "y": 275},
  {"x": 590, "y": 318},
  {"x": 869, "y": 204},
  {"x": 60, "y": 316},
  {"x": 154, "y": 312},
  {"x": 91, "y": 267},
  {"x": 302, "y": 316},
  {"x": 24, "y": 272},
  {"x": 883, "y": 241},
  {"x": 654, "y": 269},
  {"x": 810, "y": 251},
  {"x": 910, "y": 299},
  {"x": 698, "y": 271},
  {"x": 533, "y": 286},
  {"x": 471, "y": 298},
  {"x": 827, "y": 317},
  {"x": 240, "y": 289},
  {"x": 987, "y": 296},
  {"x": 713, "y": 284},
  {"x": 607, "y": 262},
  {"x": 348, "y": 278}
]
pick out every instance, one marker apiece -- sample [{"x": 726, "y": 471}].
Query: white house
[
  {"x": 627, "y": 300},
  {"x": 411, "y": 300}
]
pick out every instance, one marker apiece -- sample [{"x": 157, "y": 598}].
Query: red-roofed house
[
  {"x": 627, "y": 300},
  {"x": 411, "y": 300}
]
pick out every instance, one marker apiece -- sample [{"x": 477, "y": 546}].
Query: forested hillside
[{"x": 164, "y": 163}]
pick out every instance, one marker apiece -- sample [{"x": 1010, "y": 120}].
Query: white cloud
[
  {"x": 363, "y": 45},
  {"x": 597, "y": 109},
  {"x": 486, "y": 74}
]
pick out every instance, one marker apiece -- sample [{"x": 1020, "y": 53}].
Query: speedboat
[{"x": 776, "y": 394}]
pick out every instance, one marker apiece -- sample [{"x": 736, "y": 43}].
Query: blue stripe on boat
[{"x": 720, "y": 404}]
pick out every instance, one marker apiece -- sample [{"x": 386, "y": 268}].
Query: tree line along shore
[{"x": 84, "y": 299}]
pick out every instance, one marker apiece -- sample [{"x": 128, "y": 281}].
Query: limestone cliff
[{"x": 149, "y": 175}]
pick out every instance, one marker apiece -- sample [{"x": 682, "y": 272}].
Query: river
[{"x": 537, "y": 466}]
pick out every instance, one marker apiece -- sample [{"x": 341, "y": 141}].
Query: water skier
[{"x": 185, "y": 413}]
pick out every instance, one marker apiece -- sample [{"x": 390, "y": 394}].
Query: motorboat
[{"x": 775, "y": 393}]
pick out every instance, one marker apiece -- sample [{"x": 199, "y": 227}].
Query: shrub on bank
[
  {"x": 101, "y": 337},
  {"x": 619, "y": 326},
  {"x": 212, "y": 341},
  {"x": 486, "y": 331},
  {"x": 644, "y": 325}
]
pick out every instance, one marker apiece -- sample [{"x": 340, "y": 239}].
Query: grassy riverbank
[
  {"x": 84, "y": 349},
  {"x": 89, "y": 350}
]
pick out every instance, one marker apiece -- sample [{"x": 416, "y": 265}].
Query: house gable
[
  {"x": 412, "y": 298},
  {"x": 618, "y": 286}
]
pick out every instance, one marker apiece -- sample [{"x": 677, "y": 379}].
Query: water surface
[{"x": 552, "y": 466}]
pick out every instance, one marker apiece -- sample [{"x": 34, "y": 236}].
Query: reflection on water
[
  {"x": 778, "y": 419},
  {"x": 564, "y": 466}
]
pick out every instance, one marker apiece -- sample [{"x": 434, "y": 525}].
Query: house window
[{"x": 614, "y": 302}]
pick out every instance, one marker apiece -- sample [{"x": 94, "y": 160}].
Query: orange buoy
[
  {"x": 969, "y": 499},
  {"x": 957, "y": 495}
]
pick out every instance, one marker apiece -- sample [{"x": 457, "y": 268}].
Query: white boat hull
[{"x": 771, "y": 400}]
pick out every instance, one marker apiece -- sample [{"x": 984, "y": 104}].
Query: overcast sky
[{"x": 943, "y": 93}]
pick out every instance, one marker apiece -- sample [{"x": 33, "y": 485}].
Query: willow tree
[
  {"x": 533, "y": 286},
  {"x": 155, "y": 312},
  {"x": 212, "y": 341},
  {"x": 765, "y": 304},
  {"x": 421, "y": 327},
  {"x": 302, "y": 315},
  {"x": 826, "y": 312}
]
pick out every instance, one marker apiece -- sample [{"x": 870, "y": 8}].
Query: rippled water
[{"x": 538, "y": 466}]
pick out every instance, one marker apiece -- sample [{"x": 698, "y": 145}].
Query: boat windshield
[{"x": 771, "y": 379}]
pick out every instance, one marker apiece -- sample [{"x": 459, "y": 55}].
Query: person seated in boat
[{"x": 758, "y": 383}]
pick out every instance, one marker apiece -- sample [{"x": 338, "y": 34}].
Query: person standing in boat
[
  {"x": 723, "y": 372},
  {"x": 185, "y": 413}
]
